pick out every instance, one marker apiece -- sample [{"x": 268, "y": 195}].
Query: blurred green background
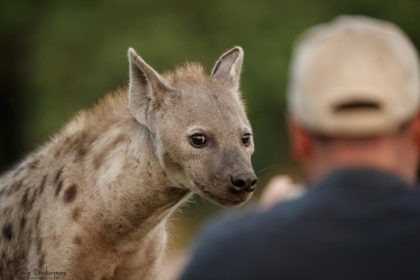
[{"x": 57, "y": 57}]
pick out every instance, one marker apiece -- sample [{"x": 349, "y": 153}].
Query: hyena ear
[
  {"x": 147, "y": 88},
  {"x": 227, "y": 69}
]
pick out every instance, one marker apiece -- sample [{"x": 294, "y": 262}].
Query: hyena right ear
[
  {"x": 147, "y": 88},
  {"x": 227, "y": 69}
]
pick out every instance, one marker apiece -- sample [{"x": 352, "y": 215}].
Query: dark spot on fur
[
  {"x": 100, "y": 157},
  {"x": 15, "y": 187},
  {"x": 58, "y": 175},
  {"x": 7, "y": 232},
  {"x": 78, "y": 144},
  {"x": 24, "y": 200},
  {"x": 38, "y": 216},
  {"x": 81, "y": 151},
  {"x": 58, "y": 188},
  {"x": 42, "y": 186},
  {"x": 77, "y": 240},
  {"x": 39, "y": 245},
  {"x": 22, "y": 222},
  {"x": 88, "y": 141},
  {"x": 76, "y": 213},
  {"x": 37, "y": 233},
  {"x": 33, "y": 164},
  {"x": 70, "y": 193},
  {"x": 57, "y": 152}
]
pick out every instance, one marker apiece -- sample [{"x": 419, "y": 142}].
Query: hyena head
[{"x": 202, "y": 136}]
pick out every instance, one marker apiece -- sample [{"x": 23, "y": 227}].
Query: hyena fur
[{"x": 93, "y": 202}]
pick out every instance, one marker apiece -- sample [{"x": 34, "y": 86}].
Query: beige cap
[{"x": 355, "y": 76}]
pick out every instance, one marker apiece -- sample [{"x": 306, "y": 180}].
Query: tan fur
[
  {"x": 189, "y": 72},
  {"x": 93, "y": 202}
]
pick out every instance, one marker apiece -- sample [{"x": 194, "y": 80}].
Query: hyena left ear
[
  {"x": 227, "y": 69},
  {"x": 147, "y": 89}
]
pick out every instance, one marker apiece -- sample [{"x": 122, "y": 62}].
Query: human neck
[{"x": 391, "y": 154}]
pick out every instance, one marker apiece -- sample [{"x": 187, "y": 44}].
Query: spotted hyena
[{"x": 93, "y": 202}]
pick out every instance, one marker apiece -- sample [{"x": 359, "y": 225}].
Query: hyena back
[{"x": 93, "y": 202}]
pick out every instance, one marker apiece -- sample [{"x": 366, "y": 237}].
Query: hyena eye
[
  {"x": 198, "y": 140},
  {"x": 246, "y": 139}
]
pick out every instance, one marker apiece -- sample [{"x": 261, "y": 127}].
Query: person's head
[{"x": 354, "y": 97}]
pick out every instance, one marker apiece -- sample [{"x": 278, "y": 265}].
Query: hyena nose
[{"x": 243, "y": 182}]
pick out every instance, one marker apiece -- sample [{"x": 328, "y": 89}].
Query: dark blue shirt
[{"x": 353, "y": 224}]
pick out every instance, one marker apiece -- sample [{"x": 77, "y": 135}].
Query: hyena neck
[{"x": 116, "y": 157}]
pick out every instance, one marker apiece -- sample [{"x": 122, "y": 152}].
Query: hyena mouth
[{"x": 224, "y": 200}]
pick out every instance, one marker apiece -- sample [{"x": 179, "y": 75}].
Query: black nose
[{"x": 243, "y": 182}]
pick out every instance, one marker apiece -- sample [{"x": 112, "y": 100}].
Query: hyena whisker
[{"x": 267, "y": 168}]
